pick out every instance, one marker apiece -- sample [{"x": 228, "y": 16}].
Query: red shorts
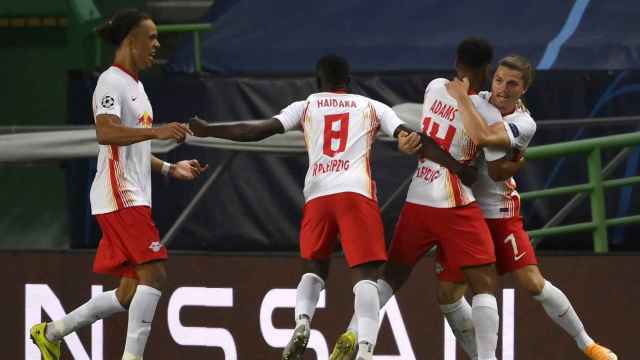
[
  {"x": 513, "y": 247},
  {"x": 355, "y": 217},
  {"x": 461, "y": 234},
  {"x": 129, "y": 238}
]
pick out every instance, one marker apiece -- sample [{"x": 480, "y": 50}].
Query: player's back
[
  {"x": 433, "y": 185},
  {"x": 339, "y": 130}
]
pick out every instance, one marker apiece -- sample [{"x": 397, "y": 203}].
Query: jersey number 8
[{"x": 336, "y": 130}]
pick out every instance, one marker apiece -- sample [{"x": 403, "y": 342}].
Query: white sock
[
  {"x": 459, "y": 318},
  {"x": 559, "y": 309},
  {"x": 141, "y": 312},
  {"x": 486, "y": 322},
  {"x": 365, "y": 351},
  {"x": 307, "y": 295},
  {"x": 99, "y": 307},
  {"x": 367, "y": 310},
  {"x": 385, "y": 292}
]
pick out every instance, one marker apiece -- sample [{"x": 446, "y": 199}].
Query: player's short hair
[
  {"x": 521, "y": 64},
  {"x": 334, "y": 69},
  {"x": 120, "y": 25},
  {"x": 474, "y": 53}
]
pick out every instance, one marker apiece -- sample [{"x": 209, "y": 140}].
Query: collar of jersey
[{"x": 125, "y": 71}]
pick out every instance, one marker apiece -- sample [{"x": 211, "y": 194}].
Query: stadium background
[{"x": 259, "y": 57}]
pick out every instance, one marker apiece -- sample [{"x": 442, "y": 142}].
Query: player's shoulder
[
  {"x": 489, "y": 112},
  {"x": 482, "y": 103},
  {"x": 486, "y": 95},
  {"x": 375, "y": 103},
  {"x": 111, "y": 77},
  {"x": 522, "y": 117},
  {"x": 436, "y": 83}
]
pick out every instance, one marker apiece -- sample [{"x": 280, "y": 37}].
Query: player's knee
[
  {"x": 125, "y": 291},
  {"x": 481, "y": 279},
  {"x": 450, "y": 294},
  {"x": 531, "y": 280},
  {"x": 152, "y": 274}
]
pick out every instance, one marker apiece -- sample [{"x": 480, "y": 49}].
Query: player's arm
[
  {"x": 428, "y": 148},
  {"x": 111, "y": 131},
  {"x": 503, "y": 169},
  {"x": 476, "y": 127},
  {"x": 243, "y": 131},
  {"x": 182, "y": 170}
]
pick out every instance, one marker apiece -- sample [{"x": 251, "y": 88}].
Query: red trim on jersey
[
  {"x": 302, "y": 121},
  {"x": 113, "y": 177},
  {"x": 455, "y": 186},
  {"x": 367, "y": 157},
  {"x": 135, "y": 77},
  {"x": 516, "y": 205},
  {"x": 304, "y": 115},
  {"x": 340, "y": 90}
]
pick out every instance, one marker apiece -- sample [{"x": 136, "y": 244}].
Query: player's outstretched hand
[
  {"x": 458, "y": 88},
  {"x": 187, "y": 169},
  {"x": 198, "y": 126},
  {"x": 173, "y": 131},
  {"x": 468, "y": 174},
  {"x": 409, "y": 143}
]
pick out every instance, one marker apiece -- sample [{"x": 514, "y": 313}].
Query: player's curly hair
[
  {"x": 474, "y": 52},
  {"x": 120, "y": 25},
  {"x": 334, "y": 69}
]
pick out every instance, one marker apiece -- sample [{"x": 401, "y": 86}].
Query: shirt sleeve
[
  {"x": 490, "y": 115},
  {"x": 520, "y": 131},
  {"x": 107, "y": 97},
  {"x": 291, "y": 116},
  {"x": 389, "y": 120}
]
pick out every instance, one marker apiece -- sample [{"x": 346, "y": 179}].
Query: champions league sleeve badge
[{"x": 107, "y": 102}]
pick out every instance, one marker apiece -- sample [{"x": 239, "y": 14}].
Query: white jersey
[
  {"x": 500, "y": 199},
  {"x": 339, "y": 130},
  {"x": 123, "y": 177},
  {"x": 434, "y": 185}
]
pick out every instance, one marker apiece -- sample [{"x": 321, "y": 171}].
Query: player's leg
[
  {"x": 466, "y": 244},
  {"x": 362, "y": 238},
  {"x": 409, "y": 244},
  {"x": 109, "y": 260},
  {"x": 48, "y": 336},
  {"x": 559, "y": 309},
  {"x": 393, "y": 276},
  {"x": 457, "y": 311},
  {"x": 484, "y": 309},
  {"x": 307, "y": 294},
  {"x": 366, "y": 306},
  {"x": 142, "y": 309},
  {"x": 318, "y": 232}
]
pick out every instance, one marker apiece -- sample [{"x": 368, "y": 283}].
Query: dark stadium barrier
[
  {"x": 235, "y": 304},
  {"x": 255, "y": 205}
]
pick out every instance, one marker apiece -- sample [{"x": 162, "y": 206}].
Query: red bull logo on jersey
[
  {"x": 443, "y": 110},
  {"x": 336, "y": 103},
  {"x": 145, "y": 120},
  {"x": 321, "y": 168}
]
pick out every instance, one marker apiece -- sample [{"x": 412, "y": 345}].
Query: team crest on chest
[{"x": 145, "y": 120}]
